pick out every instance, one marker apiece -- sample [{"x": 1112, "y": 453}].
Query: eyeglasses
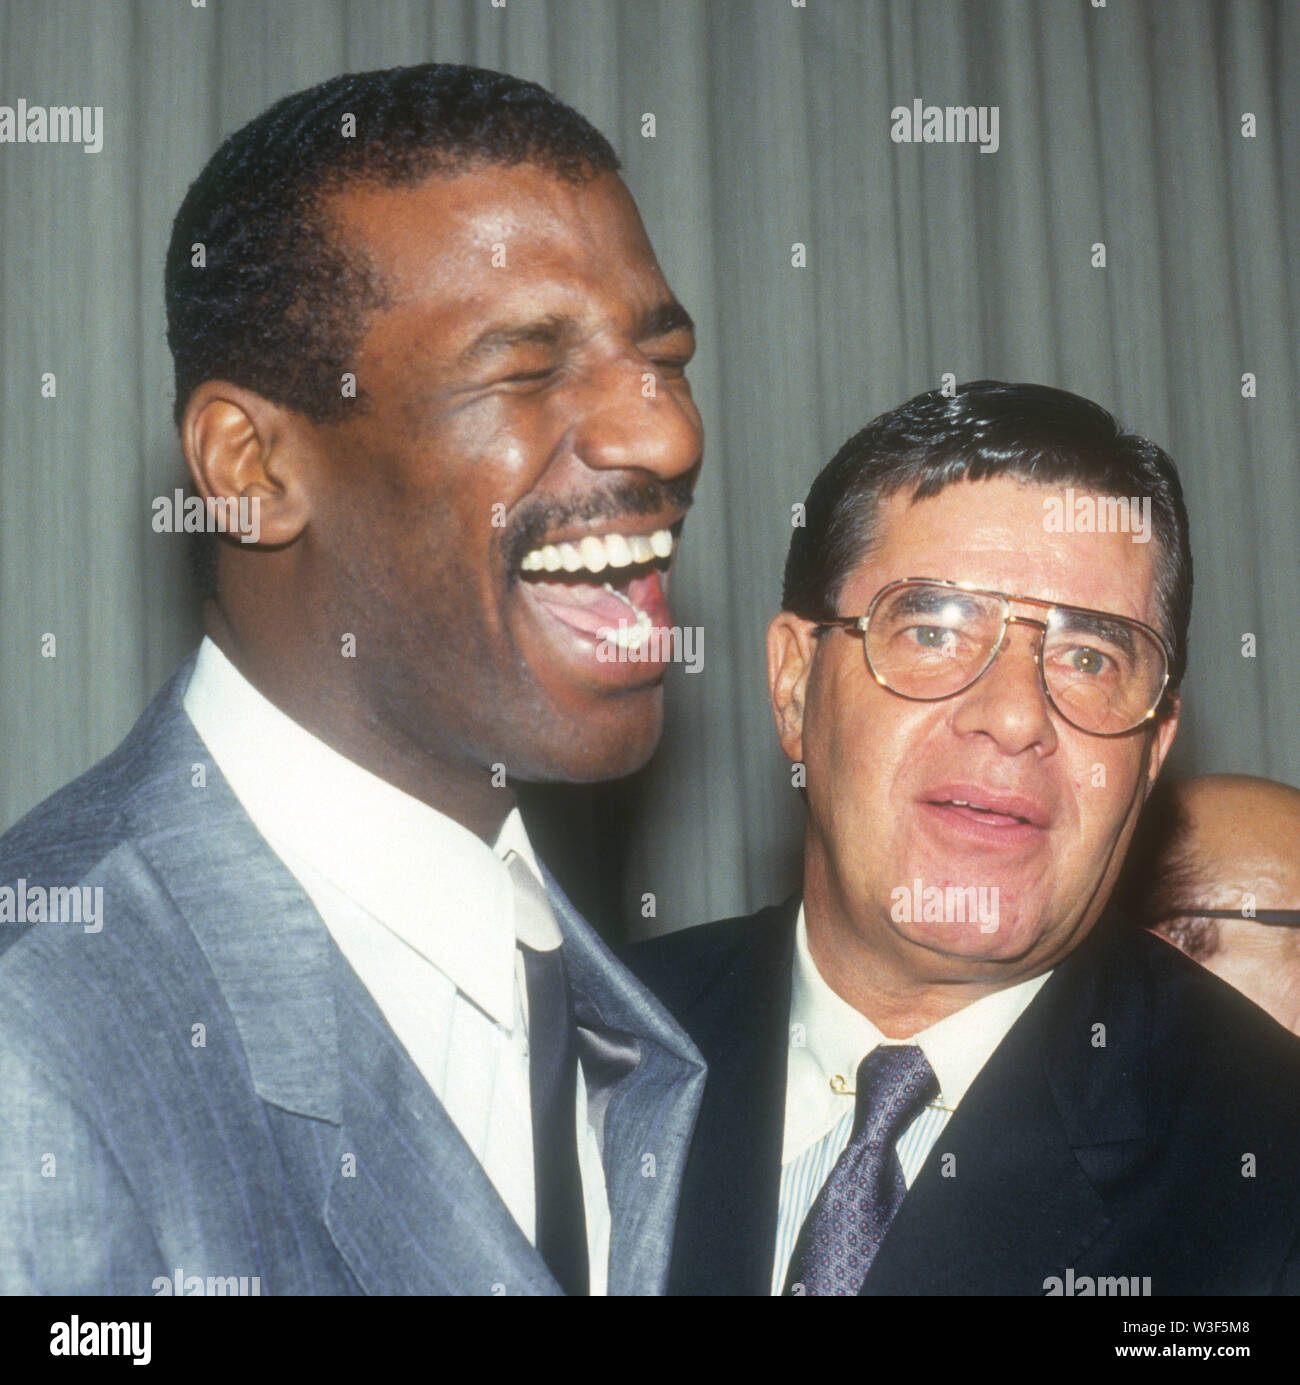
[
  {"x": 1276, "y": 918},
  {"x": 927, "y": 639}
]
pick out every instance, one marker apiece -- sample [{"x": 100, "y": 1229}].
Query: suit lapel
[
  {"x": 1000, "y": 1198},
  {"x": 409, "y": 1206},
  {"x": 406, "y": 1202},
  {"x": 267, "y": 947},
  {"x": 1017, "y": 1186},
  {"x": 646, "y": 1079},
  {"x": 726, "y": 1235}
]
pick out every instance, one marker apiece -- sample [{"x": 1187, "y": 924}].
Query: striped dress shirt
[{"x": 828, "y": 1039}]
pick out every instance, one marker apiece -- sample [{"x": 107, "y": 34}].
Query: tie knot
[
  {"x": 894, "y": 1082},
  {"x": 857, "y": 1203}
]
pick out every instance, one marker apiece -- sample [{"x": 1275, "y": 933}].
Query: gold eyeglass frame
[{"x": 859, "y": 624}]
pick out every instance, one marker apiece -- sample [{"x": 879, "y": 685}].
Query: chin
[
  {"x": 964, "y": 941},
  {"x": 602, "y": 747},
  {"x": 989, "y": 936}
]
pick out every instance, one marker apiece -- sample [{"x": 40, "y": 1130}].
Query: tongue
[{"x": 589, "y": 608}]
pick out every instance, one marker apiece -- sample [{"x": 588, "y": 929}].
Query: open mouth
[
  {"x": 988, "y": 816},
  {"x": 609, "y": 593},
  {"x": 981, "y": 814}
]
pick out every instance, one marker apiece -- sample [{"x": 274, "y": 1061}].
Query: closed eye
[
  {"x": 670, "y": 365},
  {"x": 671, "y": 351},
  {"x": 540, "y": 375}
]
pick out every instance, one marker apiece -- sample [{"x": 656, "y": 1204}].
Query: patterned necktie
[
  {"x": 847, "y": 1223},
  {"x": 552, "y": 1084}
]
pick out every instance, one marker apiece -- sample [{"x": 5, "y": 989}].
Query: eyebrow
[
  {"x": 1115, "y": 629},
  {"x": 929, "y": 600},
  {"x": 663, "y": 319},
  {"x": 553, "y": 330},
  {"x": 557, "y": 330}
]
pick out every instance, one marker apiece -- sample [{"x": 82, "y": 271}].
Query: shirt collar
[
  {"x": 829, "y": 1038},
  {"x": 537, "y": 928},
  {"x": 416, "y": 871},
  {"x": 513, "y": 837}
]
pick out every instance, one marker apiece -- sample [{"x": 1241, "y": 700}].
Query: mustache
[{"x": 532, "y": 523}]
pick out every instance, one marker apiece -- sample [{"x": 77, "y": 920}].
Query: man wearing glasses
[{"x": 947, "y": 1067}]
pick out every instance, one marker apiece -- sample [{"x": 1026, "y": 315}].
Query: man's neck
[
  {"x": 899, "y": 985},
  {"x": 898, "y": 1005},
  {"x": 465, "y": 794}
]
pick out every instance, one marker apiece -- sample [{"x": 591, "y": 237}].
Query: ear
[
  {"x": 1166, "y": 729},
  {"x": 791, "y": 645},
  {"x": 238, "y": 448}
]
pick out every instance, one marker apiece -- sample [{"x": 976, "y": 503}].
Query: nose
[
  {"x": 632, "y": 418},
  {"x": 1007, "y": 703}
]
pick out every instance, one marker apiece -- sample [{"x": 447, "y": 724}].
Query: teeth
[
  {"x": 597, "y": 552},
  {"x": 594, "y": 555},
  {"x": 628, "y": 636},
  {"x": 980, "y": 808},
  {"x": 617, "y": 550}
]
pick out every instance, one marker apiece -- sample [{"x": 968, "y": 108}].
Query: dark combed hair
[
  {"x": 986, "y": 429},
  {"x": 278, "y": 305}
]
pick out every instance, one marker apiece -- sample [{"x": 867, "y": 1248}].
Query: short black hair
[
  {"x": 278, "y": 304},
  {"x": 987, "y": 428}
]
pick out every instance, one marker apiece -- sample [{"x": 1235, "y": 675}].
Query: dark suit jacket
[{"x": 1172, "y": 1152}]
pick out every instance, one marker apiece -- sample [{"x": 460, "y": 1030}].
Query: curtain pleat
[{"x": 833, "y": 273}]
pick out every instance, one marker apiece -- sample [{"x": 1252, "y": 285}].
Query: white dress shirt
[
  {"x": 424, "y": 912},
  {"x": 828, "y": 1039}
]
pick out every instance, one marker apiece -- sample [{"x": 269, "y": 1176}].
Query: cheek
[
  {"x": 1103, "y": 803},
  {"x": 827, "y": 724},
  {"x": 406, "y": 565},
  {"x": 510, "y": 436},
  {"x": 858, "y": 744},
  {"x": 1104, "y": 779}
]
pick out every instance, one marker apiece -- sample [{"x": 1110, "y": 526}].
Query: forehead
[
  {"x": 994, "y": 534},
  {"x": 495, "y": 240},
  {"x": 1243, "y": 833}
]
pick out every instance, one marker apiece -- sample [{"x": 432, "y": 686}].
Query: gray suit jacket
[{"x": 205, "y": 1086}]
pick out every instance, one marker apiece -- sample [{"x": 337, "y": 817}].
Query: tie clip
[{"x": 840, "y": 1086}]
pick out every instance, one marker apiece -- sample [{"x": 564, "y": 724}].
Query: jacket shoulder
[
  {"x": 1207, "y": 1024},
  {"x": 64, "y": 839},
  {"x": 682, "y": 967}
]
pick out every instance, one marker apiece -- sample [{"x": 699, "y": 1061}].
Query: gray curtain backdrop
[{"x": 1120, "y": 124}]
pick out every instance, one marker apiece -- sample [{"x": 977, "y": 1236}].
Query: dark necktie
[
  {"x": 847, "y": 1223},
  {"x": 552, "y": 1082}
]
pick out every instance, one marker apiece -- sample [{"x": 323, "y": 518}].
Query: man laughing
[{"x": 340, "y": 1030}]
